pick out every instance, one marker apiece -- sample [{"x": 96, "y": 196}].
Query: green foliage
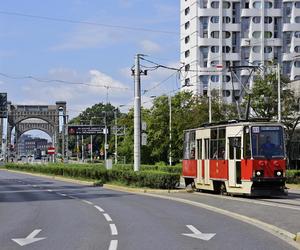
[
  {"x": 293, "y": 176},
  {"x": 151, "y": 178},
  {"x": 264, "y": 97}
]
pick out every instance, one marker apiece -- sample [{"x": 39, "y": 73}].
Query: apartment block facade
[{"x": 217, "y": 34}]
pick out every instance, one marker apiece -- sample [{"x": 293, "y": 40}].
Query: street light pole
[
  {"x": 170, "y": 130},
  {"x": 91, "y": 144},
  {"x": 116, "y": 137},
  {"x": 105, "y": 140},
  {"x": 279, "y": 94}
]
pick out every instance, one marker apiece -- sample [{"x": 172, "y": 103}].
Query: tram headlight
[
  {"x": 278, "y": 173},
  {"x": 259, "y": 173}
]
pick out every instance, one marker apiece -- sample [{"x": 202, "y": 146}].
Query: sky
[{"x": 86, "y": 41}]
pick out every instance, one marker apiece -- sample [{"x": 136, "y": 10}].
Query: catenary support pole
[
  {"x": 170, "y": 130},
  {"x": 137, "y": 114}
]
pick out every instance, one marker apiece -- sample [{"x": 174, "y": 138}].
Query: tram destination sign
[{"x": 85, "y": 129}]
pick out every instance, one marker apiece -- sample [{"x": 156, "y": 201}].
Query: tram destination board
[{"x": 85, "y": 130}]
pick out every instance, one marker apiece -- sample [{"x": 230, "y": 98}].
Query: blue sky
[{"x": 79, "y": 52}]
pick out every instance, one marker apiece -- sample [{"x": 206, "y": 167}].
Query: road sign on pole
[
  {"x": 85, "y": 129},
  {"x": 51, "y": 151}
]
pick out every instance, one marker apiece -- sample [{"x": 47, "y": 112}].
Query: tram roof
[{"x": 235, "y": 123}]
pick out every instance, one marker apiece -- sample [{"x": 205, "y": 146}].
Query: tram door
[{"x": 234, "y": 161}]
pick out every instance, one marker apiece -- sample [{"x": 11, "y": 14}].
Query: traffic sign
[
  {"x": 51, "y": 151},
  {"x": 85, "y": 129}
]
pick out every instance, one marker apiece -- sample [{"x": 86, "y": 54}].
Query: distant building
[
  {"x": 28, "y": 145},
  {"x": 217, "y": 34}
]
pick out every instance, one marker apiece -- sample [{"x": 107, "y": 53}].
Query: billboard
[{"x": 85, "y": 129}]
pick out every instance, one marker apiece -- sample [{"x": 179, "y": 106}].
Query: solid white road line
[
  {"x": 87, "y": 202},
  {"x": 113, "y": 245},
  {"x": 113, "y": 229},
  {"x": 99, "y": 208},
  {"x": 107, "y": 217},
  {"x": 72, "y": 197}
]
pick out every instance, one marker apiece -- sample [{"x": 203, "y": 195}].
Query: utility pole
[
  {"x": 170, "y": 130},
  {"x": 82, "y": 148},
  {"x": 105, "y": 140},
  {"x": 279, "y": 94},
  {"x": 116, "y": 137},
  {"x": 137, "y": 114}
]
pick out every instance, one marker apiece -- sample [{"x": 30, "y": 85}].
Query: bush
[
  {"x": 293, "y": 176},
  {"x": 154, "y": 178}
]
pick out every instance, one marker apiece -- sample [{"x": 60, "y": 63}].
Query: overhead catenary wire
[
  {"x": 105, "y": 25},
  {"x": 37, "y": 79}
]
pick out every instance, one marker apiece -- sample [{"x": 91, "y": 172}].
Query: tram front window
[{"x": 267, "y": 142}]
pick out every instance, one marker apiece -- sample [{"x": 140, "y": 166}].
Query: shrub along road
[{"x": 72, "y": 216}]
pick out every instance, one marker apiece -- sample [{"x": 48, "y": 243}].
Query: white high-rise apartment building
[{"x": 217, "y": 34}]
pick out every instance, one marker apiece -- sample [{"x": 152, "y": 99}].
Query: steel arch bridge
[{"x": 40, "y": 117}]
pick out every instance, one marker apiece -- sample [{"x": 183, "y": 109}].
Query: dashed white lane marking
[
  {"x": 34, "y": 186},
  {"x": 72, "y": 197},
  {"x": 87, "y": 202},
  {"x": 107, "y": 217},
  {"x": 99, "y": 208},
  {"x": 113, "y": 229},
  {"x": 63, "y": 194},
  {"x": 113, "y": 245},
  {"x": 49, "y": 190}
]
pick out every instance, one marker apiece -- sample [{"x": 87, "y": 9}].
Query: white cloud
[
  {"x": 77, "y": 96},
  {"x": 150, "y": 46}
]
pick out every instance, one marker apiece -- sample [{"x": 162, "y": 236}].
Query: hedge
[
  {"x": 293, "y": 176},
  {"x": 143, "y": 178}
]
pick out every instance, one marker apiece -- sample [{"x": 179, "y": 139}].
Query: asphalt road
[{"x": 82, "y": 217}]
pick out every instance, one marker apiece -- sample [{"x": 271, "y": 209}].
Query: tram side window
[
  {"x": 189, "y": 145},
  {"x": 247, "y": 147},
  {"x": 199, "y": 149},
  {"x": 234, "y": 144},
  {"x": 217, "y": 144},
  {"x": 206, "y": 148}
]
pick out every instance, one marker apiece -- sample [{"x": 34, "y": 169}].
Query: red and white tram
[{"x": 236, "y": 157}]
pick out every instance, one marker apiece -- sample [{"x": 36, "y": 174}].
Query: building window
[
  {"x": 226, "y": 5},
  {"x": 268, "y": 19},
  {"x": 187, "y": 11},
  {"x": 187, "y": 53},
  {"x": 187, "y": 39},
  {"x": 215, "y": 34},
  {"x": 297, "y": 49},
  {"x": 268, "y": 49},
  {"x": 297, "y": 34},
  {"x": 297, "y": 64},
  {"x": 268, "y": 5},
  {"x": 215, "y": 5},
  {"x": 226, "y": 34},
  {"x": 214, "y": 19},
  {"x": 187, "y": 25},
  {"x": 187, "y": 82},
  {"x": 187, "y": 67},
  {"x": 214, "y": 49},
  {"x": 226, "y": 78},
  {"x": 296, "y": 78},
  {"x": 256, "y": 19},
  {"x": 268, "y": 34},
  {"x": 257, "y": 5},
  {"x": 214, "y": 78},
  {"x": 204, "y": 81},
  {"x": 256, "y": 34},
  {"x": 226, "y": 19},
  {"x": 297, "y": 4},
  {"x": 225, "y": 49},
  {"x": 297, "y": 19},
  {"x": 226, "y": 93}
]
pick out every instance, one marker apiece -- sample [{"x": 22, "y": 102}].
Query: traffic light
[{"x": 3, "y": 105}]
